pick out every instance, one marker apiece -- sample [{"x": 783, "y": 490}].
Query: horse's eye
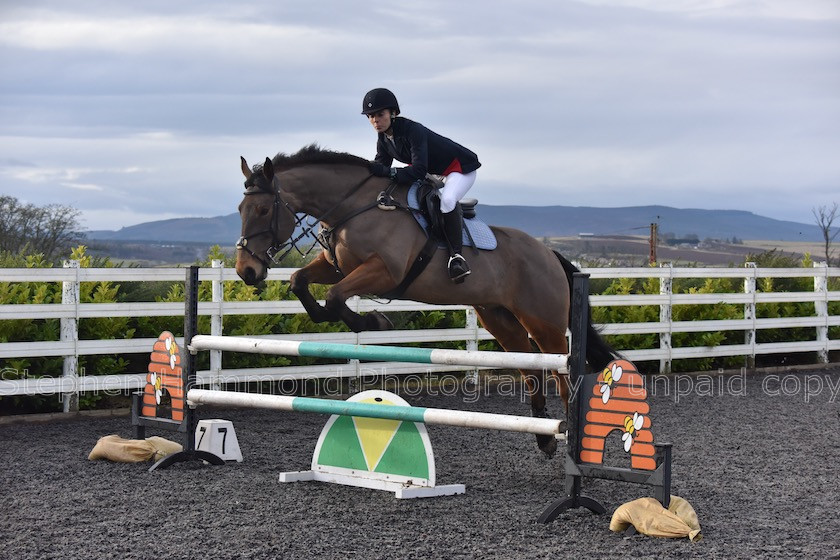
[{"x": 262, "y": 211}]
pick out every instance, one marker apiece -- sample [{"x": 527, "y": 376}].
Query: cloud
[
  {"x": 134, "y": 34},
  {"x": 32, "y": 174},
  {"x": 145, "y": 108},
  {"x": 84, "y": 186},
  {"x": 781, "y": 9}
]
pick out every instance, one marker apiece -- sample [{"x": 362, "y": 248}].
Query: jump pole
[
  {"x": 437, "y": 416},
  {"x": 510, "y": 360}
]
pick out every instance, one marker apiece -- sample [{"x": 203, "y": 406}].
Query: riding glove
[{"x": 380, "y": 170}]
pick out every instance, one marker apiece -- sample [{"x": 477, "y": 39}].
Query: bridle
[{"x": 278, "y": 250}]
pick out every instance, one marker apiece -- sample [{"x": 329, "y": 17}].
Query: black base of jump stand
[
  {"x": 597, "y": 411},
  {"x": 659, "y": 479},
  {"x": 558, "y": 507}
]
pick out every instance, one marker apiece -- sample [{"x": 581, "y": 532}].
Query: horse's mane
[{"x": 314, "y": 154}]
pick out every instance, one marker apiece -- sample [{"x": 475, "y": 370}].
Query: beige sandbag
[
  {"x": 164, "y": 447},
  {"x": 649, "y": 517},
  {"x": 115, "y": 448},
  {"x": 682, "y": 509}
]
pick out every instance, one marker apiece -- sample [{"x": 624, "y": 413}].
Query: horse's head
[{"x": 267, "y": 223}]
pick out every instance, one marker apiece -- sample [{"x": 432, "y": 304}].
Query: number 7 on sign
[
  {"x": 218, "y": 437},
  {"x": 203, "y": 430}
]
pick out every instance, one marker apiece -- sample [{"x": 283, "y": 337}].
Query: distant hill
[
  {"x": 715, "y": 224},
  {"x": 539, "y": 221},
  {"x": 218, "y": 230}
]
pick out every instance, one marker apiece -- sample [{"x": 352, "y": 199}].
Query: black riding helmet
[{"x": 378, "y": 99}]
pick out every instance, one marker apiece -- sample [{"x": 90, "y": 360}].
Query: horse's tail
[{"x": 598, "y": 352}]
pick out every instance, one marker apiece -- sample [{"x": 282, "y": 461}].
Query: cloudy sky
[{"x": 139, "y": 111}]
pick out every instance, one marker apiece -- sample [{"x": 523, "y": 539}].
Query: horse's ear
[
  {"x": 268, "y": 169},
  {"x": 245, "y": 169}
]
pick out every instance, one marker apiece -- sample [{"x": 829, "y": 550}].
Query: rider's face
[{"x": 381, "y": 120}]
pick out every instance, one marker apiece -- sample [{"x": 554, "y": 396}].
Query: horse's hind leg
[
  {"x": 551, "y": 339},
  {"x": 513, "y": 337}
]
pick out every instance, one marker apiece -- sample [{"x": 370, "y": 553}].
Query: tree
[
  {"x": 825, "y": 217},
  {"x": 47, "y": 230}
]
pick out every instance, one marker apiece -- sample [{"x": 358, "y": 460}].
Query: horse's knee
[{"x": 298, "y": 283}]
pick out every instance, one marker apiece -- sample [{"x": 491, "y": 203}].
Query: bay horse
[{"x": 520, "y": 289}]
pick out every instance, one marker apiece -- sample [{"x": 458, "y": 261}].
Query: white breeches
[{"x": 454, "y": 188}]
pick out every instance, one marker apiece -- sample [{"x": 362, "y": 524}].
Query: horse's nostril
[{"x": 249, "y": 276}]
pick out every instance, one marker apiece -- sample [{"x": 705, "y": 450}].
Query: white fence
[{"x": 70, "y": 311}]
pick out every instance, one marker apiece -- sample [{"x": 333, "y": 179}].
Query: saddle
[
  {"x": 424, "y": 201},
  {"x": 424, "y": 204}
]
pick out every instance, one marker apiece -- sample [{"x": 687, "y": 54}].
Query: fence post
[
  {"x": 216, "y": 321},
  {"x": 749, "y": 312},
  {"x": 70, "y": 333},
  {"x": 355, "y": 383},
  {"x": 472, "y": 342},
  {"x": 665, "y": 316},
  {"x": 821, "y": 308}
]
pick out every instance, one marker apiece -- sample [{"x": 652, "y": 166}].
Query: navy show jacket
[{"x": 424, "y": 150}]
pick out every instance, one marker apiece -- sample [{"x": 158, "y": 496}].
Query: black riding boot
[{"x": 452, "y": 225}]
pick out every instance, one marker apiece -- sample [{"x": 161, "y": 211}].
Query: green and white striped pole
[
  {"x": 438, "y": 416},
  {"x": 511, "y": 360}
]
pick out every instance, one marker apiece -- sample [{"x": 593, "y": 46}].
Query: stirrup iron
[
  {"x": 385, "y": 201},
  {"x": 458, "y": 268}
]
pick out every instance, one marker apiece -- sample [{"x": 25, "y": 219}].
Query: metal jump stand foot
[
  {"x": 573, "y": 498},
  {"x": 558, "y": 507},
  {"x": 190, "y": 453},
  {"x": 186, "y": 456}
]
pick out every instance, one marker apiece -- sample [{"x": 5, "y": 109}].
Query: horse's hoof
[
  {"x": 376, "y": 321},
  {"x": 548, "y": 445}
]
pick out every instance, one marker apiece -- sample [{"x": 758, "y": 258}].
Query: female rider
[{"x": 424, "y": 151}]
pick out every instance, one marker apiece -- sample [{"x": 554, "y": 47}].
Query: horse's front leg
[
  {"x": 371, "y": 277},
  {"x": 319, "y": 271}
]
